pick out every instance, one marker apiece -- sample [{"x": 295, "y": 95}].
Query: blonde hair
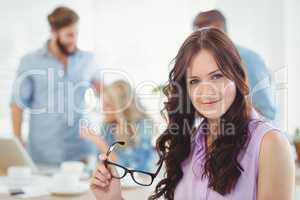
[{"x": 129, "y": 110}]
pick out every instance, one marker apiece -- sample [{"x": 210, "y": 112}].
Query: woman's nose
[{"x": 207, "y": 89}]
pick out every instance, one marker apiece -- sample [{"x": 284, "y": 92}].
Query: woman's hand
[{"x": 103, "y": 185}]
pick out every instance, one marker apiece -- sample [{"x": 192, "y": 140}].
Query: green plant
[
  {"x": 158, "y": 88},
  {"x": 296, "y": 138}
]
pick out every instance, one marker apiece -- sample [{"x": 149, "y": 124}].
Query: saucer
[{"x": 81, "y": 188}]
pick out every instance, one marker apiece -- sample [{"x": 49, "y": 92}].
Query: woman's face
[
  {"x": 108, "y": 109},
  {"x": 210, "y": 91}
]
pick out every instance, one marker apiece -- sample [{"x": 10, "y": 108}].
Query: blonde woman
[{"x": 124, "y": 120}]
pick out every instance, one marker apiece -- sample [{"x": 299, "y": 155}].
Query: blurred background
[{"x": 141, "y": 37}]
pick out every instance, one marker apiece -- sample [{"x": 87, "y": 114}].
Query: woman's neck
[
  {"x": 214, "y": 126},
  {"x": 213, "y": 130}
]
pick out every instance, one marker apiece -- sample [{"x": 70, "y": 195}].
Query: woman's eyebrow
[
  {"x": 210, "y": 73},
  {"x": 192, "y": 77}
]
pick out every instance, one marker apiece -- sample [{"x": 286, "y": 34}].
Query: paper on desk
[
  {"x": 31, "y": 192},
  {"x": 39, "y": 187},
  {"x": 3, "y": 185},
  {"x": 3, "y": 189}
]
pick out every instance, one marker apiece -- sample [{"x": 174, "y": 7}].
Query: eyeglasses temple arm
[
  {"x": 111, "y": 147},
  {"x": 160, "y": 165}
]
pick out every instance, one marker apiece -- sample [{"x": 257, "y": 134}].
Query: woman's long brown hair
[{"x": 222, "y": 166}]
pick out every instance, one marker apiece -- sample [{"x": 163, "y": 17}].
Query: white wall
[
  {"x": 292, "y": 28},
  {"x": 258, "y": 25}
]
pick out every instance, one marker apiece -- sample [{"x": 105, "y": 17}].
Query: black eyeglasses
[{"x": 140, "y": 177}]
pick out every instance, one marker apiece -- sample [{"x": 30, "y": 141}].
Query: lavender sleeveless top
[{"x": 193, "y": 187}]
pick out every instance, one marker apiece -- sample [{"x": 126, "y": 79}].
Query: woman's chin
[{"x": 211, "y": 114}]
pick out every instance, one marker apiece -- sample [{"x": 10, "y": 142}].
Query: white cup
[
  {"x": 65, "y": 181},
  {"x": 72, "y": 167},
  {"x": 19, "y": 176}
]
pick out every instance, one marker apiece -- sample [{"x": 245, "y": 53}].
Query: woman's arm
[
  {"x": 276, "y": 179},
  {"x": 98, "y": 141}
]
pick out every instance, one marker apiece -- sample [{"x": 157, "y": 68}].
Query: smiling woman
[
  {"x": 217, "y": 161},
  {"x": 233, "y": 154}
]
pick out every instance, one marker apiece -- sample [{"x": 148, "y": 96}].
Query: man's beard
[{"x": 63, "y": 49}]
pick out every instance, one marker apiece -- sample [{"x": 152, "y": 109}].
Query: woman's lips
[{"x": 211, "y": 102}]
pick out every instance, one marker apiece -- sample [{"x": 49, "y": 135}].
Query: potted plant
[{"x": 296, "y": 141}]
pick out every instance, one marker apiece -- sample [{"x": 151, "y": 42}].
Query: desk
[
  {"x": 133, "y": 193},
  {"x": 129, "y": 193},
  {"x": 140, "y": 193}
]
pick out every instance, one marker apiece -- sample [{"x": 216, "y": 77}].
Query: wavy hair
[{"x": 222, "y": 166}]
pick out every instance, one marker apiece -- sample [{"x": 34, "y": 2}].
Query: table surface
[
  {"x": 133, "y": 193},
  {"x": 138, "y": 192},
  {"x": 128, "y": 193}
]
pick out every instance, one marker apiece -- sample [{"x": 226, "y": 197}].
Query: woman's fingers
[
  {"x": 102, "y": 184},
  {"x": 101, "y": 177},
  {"x": 102, "y": 157},
  {"x": 112, "y": 170},
  {"x": 104, "y": 171},
  {"x": 97, "y": 182}
]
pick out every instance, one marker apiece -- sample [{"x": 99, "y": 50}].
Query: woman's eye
[
  {"x": 216, "y": 76},
  {"x": 194, "y": 81}
]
